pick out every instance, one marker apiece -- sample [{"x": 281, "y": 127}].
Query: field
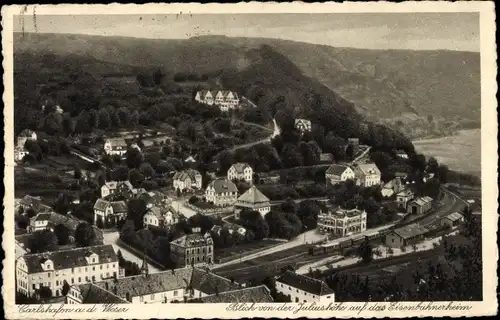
[
  {"x": 245, "y": 248},
  {"x": 461, "y": 152}
]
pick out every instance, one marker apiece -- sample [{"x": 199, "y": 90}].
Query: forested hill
[{"x": 420, "y": 92}]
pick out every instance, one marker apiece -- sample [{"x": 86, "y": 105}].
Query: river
[{"x": 461, "y": 152}]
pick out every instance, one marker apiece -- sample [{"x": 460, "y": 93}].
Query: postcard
[{"x": 247, "y": 160}]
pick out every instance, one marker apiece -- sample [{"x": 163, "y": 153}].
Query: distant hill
[{"x": 397, "y": 87}]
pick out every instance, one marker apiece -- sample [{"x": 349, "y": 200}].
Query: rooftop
[
  {"x": 193, "y": 240},
  {"x": 336, "y": 169},
  {"x": 305, "y": 283},
  {"x": 240, "y": 167},
  {"x": 259, "y": 294},
  {"x": 410, "y": 231},
  {"x": 223, "y": 185},
  {"x": 253, "y": 196},
  {"x": 183, "y": 278},
  {"x": 70, "y": 258},
  {"x": 454, "y": 216},
  {"x": 93, "y": 294}
]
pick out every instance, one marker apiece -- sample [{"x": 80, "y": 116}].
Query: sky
[{"x": 415, "y": 31}]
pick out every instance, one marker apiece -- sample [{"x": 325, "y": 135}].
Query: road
[
  {"x": 112, "y": 238},
  {"x": 276, "y": 132},
  {"x": 180, "y": 206}
]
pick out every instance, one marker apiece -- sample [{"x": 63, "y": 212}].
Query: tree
[
  {"x": 133, "y": 158},
  {"x": 85, "y": 235},
  {"x": 42, "y": 241},
  {"x": 136, "y": 210},
  {"x": 65, "y": 288},
  {"x": 62, "y": 233},
  {"x": 78, "y": 172}
]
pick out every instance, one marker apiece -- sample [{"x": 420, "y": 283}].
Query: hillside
[{"x": 422, "y": 93}]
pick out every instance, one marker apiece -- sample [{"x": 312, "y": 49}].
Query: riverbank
[{"x": 460, "y": 152}]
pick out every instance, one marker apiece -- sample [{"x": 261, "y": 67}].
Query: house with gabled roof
[
  {"x": 303, "y": 125},
  {"x": 123, "y": 188},
  {"x": 452, "y": 220},
  {"x": 258, "y": 294},
  {"x": 224, "y": 99},
  {"x": 405, "y": 236},
  {"x": 115, "y": 146},
  {"x": 403, "y": 197},
  {"x": 253, "y": 199},
  {"x": 240, "y": 171},
  {"x": 337, "y": 173},
  {"x": 109, "y": 212},
  {"x": 161, "y": 217},
  {"x": 301, "y": 288},
  {"x": 73, "y": 266},
  {"x": 187, "y": 180},
  {"x": 367, "y": 174},
  {"x": 419, "y": 205},
  {"x": 221, "y": 192}
]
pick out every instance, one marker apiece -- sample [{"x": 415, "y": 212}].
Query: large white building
[
  {"x": 253, "y": 200},
  {"x": 20, "y": 151},
  {"x": 115, "y": 146},
  {"x": 224, "y": 99},
  {"x": 337, "y": 173},
  {"x": 193, "y": 249},
  {"x": 187, "y": 180},
  {"x": 301, "y": 288},
  {"x": 222, "y": 192},
  {"x": 341, "y": 222},
  {"x": 240, "y": 171},
  {"x": 73, "y": 266},
  {"x": 367, "y": 174},
  {"x": 176, "y": 285}
]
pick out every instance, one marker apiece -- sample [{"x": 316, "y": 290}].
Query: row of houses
[
  {"x": 413, "y": 233},
  {"x": 366, "y": 174},
  {"x": 224, "y": 99}
]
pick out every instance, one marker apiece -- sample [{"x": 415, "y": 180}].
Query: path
[
  {"x": 112, "y": 238},
  {"x": 180, "y": 206}
]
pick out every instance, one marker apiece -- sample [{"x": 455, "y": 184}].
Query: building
[
  {"x": 74, "y": 266},
  {"x": 337, "y": 173},
  {"x": 303, "y": 125},
  {"x": 253, "y": 200},
  {"x": 452, "y": 220},
  {"x": 89, "y": 293},
  {"x": 187, "y": 180},
  {"x": 240, "y": 171},
  {"x": 160, "y": 217},
  {"x": 49, "y": 220},
  {"x": 115, "y": 146},
  {"x": 109, "y": 212},
  {"x": 402, "y": 154},
  {"x": 121, "y": 188},
  {"x": 258, "y": 294},
  {"x": 341, "y": 222},
  {"x": 367, "y": 174},
  {"x": 222, "y": 192},
  {"x": 224, "y": 99},
  {"x": 405, "y": 236},
  {"x": 24, "y": 136},
  {"x": 301, "y": 288},
  {"x": 403, "y": 197},
  {"x": 392, "y": 187},
  {"x": 193, "y": 249},
  {"x": 419, "y": 205},
  {"x": 176, "y": 285}
]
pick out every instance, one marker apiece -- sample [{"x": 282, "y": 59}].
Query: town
[{"x": 211, "y": 194}]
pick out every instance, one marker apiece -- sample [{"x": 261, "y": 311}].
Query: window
[
  {"x": 34, "y": 286},
  {"x": 57, "y": 282},
  {"x": 79, "y": 279},
  {"x": 49, "y": 274},
  {"x": 93, "y": 268},
  {"x": 175, "y": 293},
  {"x": 141, "y": 299},
  {"x": 101, "y": 267},
  {"x": 72, "y": 280},
  {"x": 93, "y": 278},
  {"x": 152, "y": 297}
]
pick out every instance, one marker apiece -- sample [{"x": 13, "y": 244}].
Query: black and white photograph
[{"x": 315, "y": 160}]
